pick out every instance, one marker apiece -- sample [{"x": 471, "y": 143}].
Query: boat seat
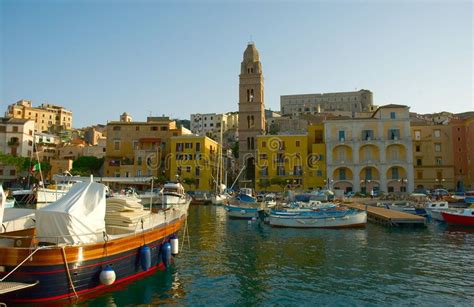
[{"x": 6, "y": 286}]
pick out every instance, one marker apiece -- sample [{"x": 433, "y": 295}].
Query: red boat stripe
[{"x": 59, "y": 297}]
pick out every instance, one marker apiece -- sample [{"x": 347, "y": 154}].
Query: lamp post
[
  {"x": 403, "y": 184},
  {"x": 365, "y": 183},
  {"x": 439, "y": 182},
  {"x": 328, "y": 183}
]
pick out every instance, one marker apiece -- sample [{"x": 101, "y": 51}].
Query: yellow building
[
  {"x": 433, "y": 155},
  {"x": 371, "y": 153},
  {"x": 47, "y": 117},
  {"x": 194, "y": 160},
  {"x": 291, "y": 161},
  {"x": 136, "y": 149}
]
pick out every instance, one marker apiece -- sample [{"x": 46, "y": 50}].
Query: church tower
[{"x": 251, "y": 112}]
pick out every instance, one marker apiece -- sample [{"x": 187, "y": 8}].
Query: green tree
[
  {"x": 87, "y": 165},
  {"x": 235, "y": 149}
]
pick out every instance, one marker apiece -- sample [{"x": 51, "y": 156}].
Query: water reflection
[{"x": 232, "y": 262}]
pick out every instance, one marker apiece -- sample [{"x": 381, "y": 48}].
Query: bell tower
[{"x": 251, "y": 112}]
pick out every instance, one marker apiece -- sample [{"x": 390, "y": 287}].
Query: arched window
[
  {"x": 252, "y": 121},
  {"x": 248, "y": 95},
  {"x": 248, "y": 121},
  {"x": 251, "y": 95},
  {"x": 248, "y": 143}
]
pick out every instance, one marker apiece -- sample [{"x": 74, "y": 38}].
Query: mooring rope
[{"x": 68, "y": 272}]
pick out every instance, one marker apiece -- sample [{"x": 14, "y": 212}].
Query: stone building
[
  {"x": 47, "y": 117},
  {"x": 251, "y": 111},
  {"x": 354, "y": 102}
]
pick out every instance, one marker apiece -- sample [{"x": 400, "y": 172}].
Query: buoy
[
  {"x": 145, "y": 257},
  {"x": 166, "y": 254},
  {"x": 174, "y": 245},
  {"x": 107, "y": 275}
]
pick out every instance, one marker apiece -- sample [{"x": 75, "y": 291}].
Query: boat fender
[
  {"x": 174, "y": 245},
  {"x": 166, "y": 254},
  {"x": 145, "y": 257},
  {"x": 107, "y": 275}
]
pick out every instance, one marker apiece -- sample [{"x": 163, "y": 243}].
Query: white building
[
  {"x": 210, "y": 124},
  {"x": 16, "y": 139}
]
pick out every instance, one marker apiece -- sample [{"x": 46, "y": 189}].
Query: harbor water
[{"x": 236, "y": 262}]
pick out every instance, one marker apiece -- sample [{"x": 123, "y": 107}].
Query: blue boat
[{"x": 244, "y": 205}]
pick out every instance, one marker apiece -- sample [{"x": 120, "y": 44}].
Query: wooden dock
[{"x": 388, "y": 217}]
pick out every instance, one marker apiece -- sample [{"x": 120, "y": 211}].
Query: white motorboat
[
  {"x": 319, "y": 219},
  {"x": 173, "y": 194}
]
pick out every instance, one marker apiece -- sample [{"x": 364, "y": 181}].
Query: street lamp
[
  {"x": 366, "y": 183},
  {"x": 328, "y": 183},
  {"x": 403, "y": 183},
  {"x": 439, "y": 182}
]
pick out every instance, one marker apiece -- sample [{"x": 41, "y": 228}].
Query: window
[
  {"x": 163, "y": 128},
  {"x": 264, "y": 144},
  {"x": 139, "y": 173},
  {"x": 392, "y": 115},
  {"x": 319, "y": 173},
  {"x": 137, "y": 128},
  {"x": 342, "y": 135},
  {"x": 139, "y": 160},
  {"x": 368, "y": 173},
  {"x": 418, "y": 162},
  {"x": 419, "y": 175},
  {"x": 179, "y": 147},
  {"x": 280, "y": 170},
  {"x": 297, "y": 143},
  {"x": 263, "y": 156},
  {"x": 437, "y": 133},
  {"x": 116, "y": 128},
  {"x": 188, "y": 145},
  {"x": 12, "y": 172},
  {"x": 394, "y": 172},
  {"x": 439, "y": 161},
  {"x": 417, "y": 148},
  {"x": 298, "y": 170},
  {"x": 197, "y": 171},
  {"x": 367, "y": 135},
  {"x": 188, "y": 169},
  {"x": 154, "y": 128},
  {"x": 393, "y": 134},
  {"x": 15, "y": 128},
  {"x": 135, "y": 145},
  {"x": 342, "y": 174},
  {"x": 264, "y": 171},
  {"x": 198, "y": 147},
  {"x": 116, "y": 145},
  {"x": 437, "y": 147}
]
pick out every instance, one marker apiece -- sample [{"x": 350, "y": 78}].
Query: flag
[{"x": 35, "y": 168}]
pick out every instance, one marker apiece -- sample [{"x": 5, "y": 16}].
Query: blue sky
[{"x": 101, "y": 58}]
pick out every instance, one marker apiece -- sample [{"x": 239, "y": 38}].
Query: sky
[{"x": 174, "y": 58}]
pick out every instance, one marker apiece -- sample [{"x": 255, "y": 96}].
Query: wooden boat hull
[
  {"x": 458, "y": 219},
  {"x": 85, "y": 264},
  {"x": 350, "y": 220}
]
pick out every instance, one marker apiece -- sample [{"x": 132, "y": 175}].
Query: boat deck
[
  {"x": 388, "y": 217},
  {"x": 6, "y": 287}
]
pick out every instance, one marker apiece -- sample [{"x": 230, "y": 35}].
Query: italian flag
[{"x": 36, "y": 168}]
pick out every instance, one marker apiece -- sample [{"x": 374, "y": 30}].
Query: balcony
[{"x": 13, "y": 143}]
